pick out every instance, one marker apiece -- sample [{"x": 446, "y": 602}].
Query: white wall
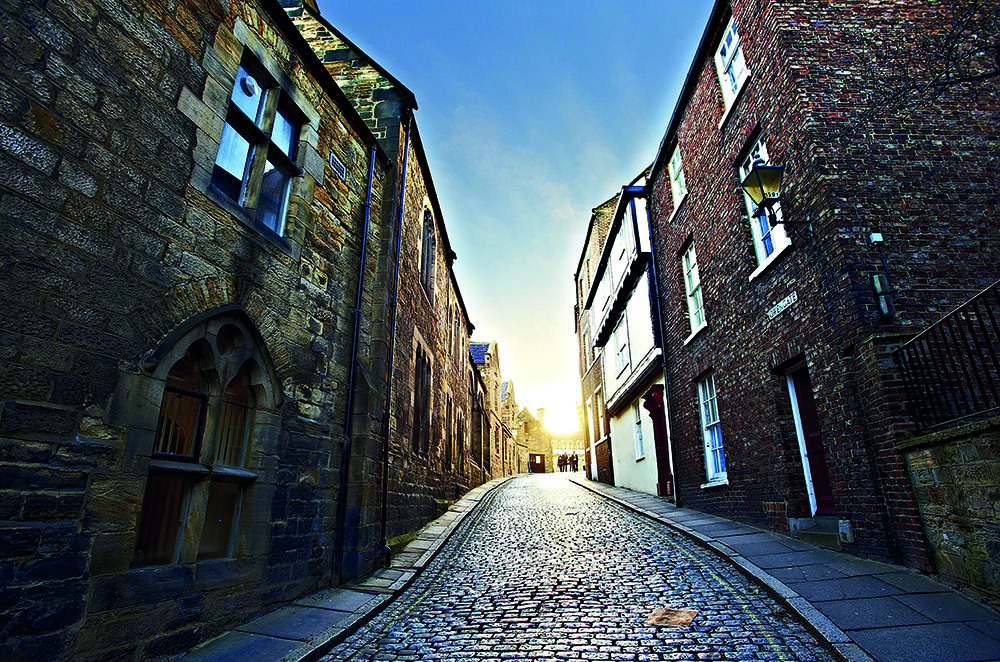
[
  {"x": 639, "y": 327},
  {"x": 631, "y": 472}
]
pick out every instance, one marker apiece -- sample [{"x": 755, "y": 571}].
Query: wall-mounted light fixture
[{"x": 763, "y": 185}]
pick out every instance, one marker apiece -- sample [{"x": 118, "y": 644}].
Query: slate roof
[
  {"x": 478, "y": 351},
  {"x": 503, "y": 390}
]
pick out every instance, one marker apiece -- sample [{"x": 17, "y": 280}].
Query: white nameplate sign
[{"x": 782, "y": 305}]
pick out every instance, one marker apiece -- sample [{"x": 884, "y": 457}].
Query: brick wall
[
  {"x": 591, "y": 373},
  {"x": 915, "y": 174}
]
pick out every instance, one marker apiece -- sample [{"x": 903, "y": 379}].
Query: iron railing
[{"x": 950, "y": 370}]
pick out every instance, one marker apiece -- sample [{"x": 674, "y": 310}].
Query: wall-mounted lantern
[{"x": 763, "y": 185}]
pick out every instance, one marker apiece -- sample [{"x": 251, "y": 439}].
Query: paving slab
[
  {"x": 910, "y": 581},
  {"x": 947, "y": 607},
  {"x": 936, "y": 642},
  {"x": 241, "y": 646},
  {"x": 336, "y": 599},
  {"x": 295, "y": 622},
  {"x": 844, "y": 588},
  {"x": 792, "y": 559},
  {"x": 870, "y": 613}
]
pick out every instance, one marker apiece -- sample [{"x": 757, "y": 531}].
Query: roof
[
  {"x": 503, "y": 390},
  {"x": 315, "y": 13},
  {"x": 319, "y": 71},
  {"x": 478, "y": 351}
]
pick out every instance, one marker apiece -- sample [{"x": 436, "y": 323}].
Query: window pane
[
  {"x": 247, "y": 94},
  {"x": 234, "y": 418},
  {"x": 283, "y": 134},
  {"x": 177, "y": 430},
  {"x": 161, "y": 520},
  {"x": 273, "y": 194},
  {"x": 231, "y": 163},
  {"x": 220, "y": 515}
]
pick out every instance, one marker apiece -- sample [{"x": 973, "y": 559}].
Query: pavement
[
  {"x": 309, "y": 627},
  {"x": 865, "y": 609}
]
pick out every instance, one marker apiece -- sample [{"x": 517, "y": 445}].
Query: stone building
[
  {"x": 235, "y": 354},
  {"x": 497, "y": 439},
  {"x": 537, "y": 443},
  {"x": 598, "y": 452},
  {"x": 428, "y": 440},
  {"x": 786, "y": 410},
  {"x": 185, "y": 196}
]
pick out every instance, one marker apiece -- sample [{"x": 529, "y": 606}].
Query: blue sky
[{"x": 532, "y": 114}]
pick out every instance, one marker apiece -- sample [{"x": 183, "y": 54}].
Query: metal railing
[{"x": 950, "y": 370}]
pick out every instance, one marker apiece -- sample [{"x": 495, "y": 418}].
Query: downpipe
[
  {"x": 387, "y": 553},
  {"x": 345, "y": 458}
]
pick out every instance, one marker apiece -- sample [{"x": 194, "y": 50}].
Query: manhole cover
[{"x": 671, "y": 618}]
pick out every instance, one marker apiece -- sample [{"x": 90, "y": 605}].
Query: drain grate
[{"x": 671, "y": 618}]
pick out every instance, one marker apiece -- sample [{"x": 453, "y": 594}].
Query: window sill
[
  {"x": 290, "y": 248},
  {"x": 677, "y": 208},
  {"x": 694, "y": 334},
  {"x": 178, "y": 466},
  {"x": 736, "y": 101},
  {"x": 771, "y": 259},
  {"x": 719, "y": 482},
  {"x": 234, "y": 474}
]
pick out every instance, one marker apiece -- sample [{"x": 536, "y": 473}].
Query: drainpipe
[
  {"x": 348, "y": 424},
  {"x": 663, "y": 345},
  {"x": 392, "y": 347}
]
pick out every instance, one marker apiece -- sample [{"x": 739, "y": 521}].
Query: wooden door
[{"x": 811, "y": 446}]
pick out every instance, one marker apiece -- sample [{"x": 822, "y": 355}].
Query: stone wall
[
  {"x": 956, "y": 477},
  {"x": 121, "y": 255},
  {"x": 435, "y": 318}
]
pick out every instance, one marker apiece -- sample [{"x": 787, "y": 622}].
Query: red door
[{"x": 815, "y": 454}]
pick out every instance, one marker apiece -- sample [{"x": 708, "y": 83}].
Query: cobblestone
[{"x": 548, "y": 571}]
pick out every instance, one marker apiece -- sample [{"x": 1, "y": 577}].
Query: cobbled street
[{"x": 546, "y": 570}]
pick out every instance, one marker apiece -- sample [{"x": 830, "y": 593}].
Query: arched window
[
  {"x": 215, "y": 380},
  {"x": 428, "y": 252}
]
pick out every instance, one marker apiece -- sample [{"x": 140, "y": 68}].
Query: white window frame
[
  {"x": 692, "y": 287},
  {"x": 768, "y": 241},
  {"x": 621, "y": 346},
  {"x": 715, "y": 456},
  {"x": 678, "y": 186},
  {"x": 731, "y": 64},
  {"x": 640, "y": 450}
]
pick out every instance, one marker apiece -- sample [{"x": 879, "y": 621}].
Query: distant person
[{"x": 575, "y": 462}]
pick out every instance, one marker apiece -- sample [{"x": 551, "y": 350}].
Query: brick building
[
  {"x": 778, "y": 329},
  {"x": 428, "y": 439},
  {"x": 598, "y": 450},
  {"x": 180, "y": 275}
]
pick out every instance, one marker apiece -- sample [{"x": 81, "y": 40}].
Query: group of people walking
[{"x": 569, "y": 462}]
